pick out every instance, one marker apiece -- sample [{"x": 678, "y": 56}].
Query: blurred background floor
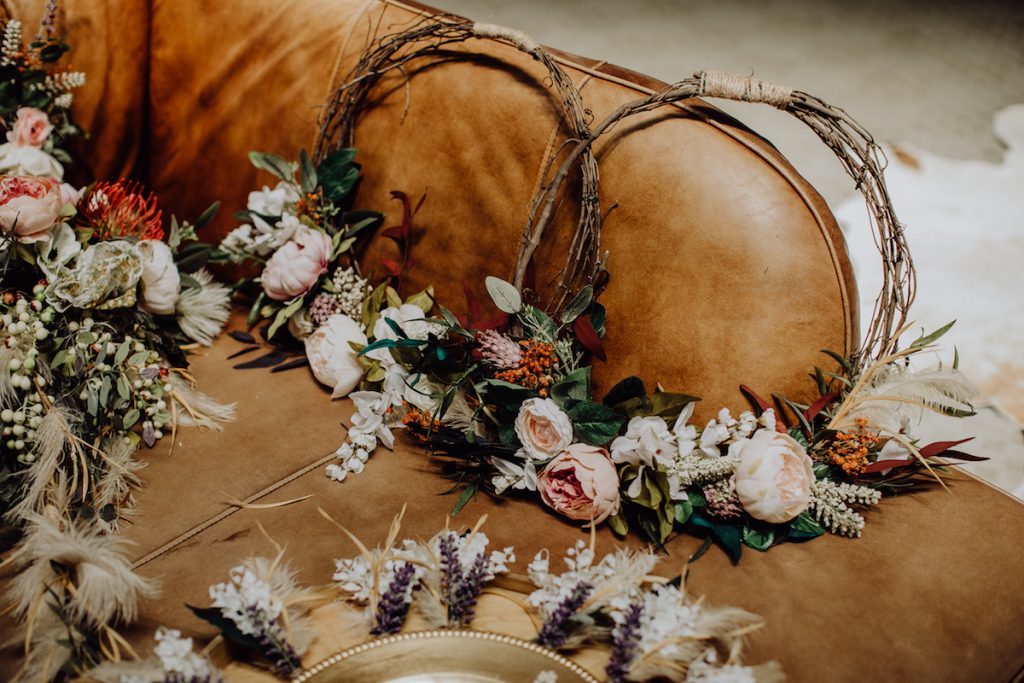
[{"x": 928, "y": 78}]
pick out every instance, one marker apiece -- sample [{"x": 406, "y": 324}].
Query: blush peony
[
  {"x": 295, "y": 267},
  {"x": 332, "y": 358},
  {"x": 581, "y": 483},
  {"x": 542, "y": 427},
  {"x": 774, "y": 476},
  {"x": 29, "y": 207}
]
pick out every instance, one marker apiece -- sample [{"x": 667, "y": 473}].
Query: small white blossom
[
  {"x": 272, "y": 203},
  {"x": 647, "y": 441},
  {"x": 176, "y": 655},
  {"x": 247, "y": 601},
  {"x": 514, "y": 476}
]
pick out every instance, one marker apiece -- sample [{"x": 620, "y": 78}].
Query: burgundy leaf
[
  {"x": 819, "y": 405},
  {"x": 587, "y": 335},
  {"x": 960, "y": 455},
  {"x": 881, "y": 465},
  {"x": 393, "y": 266},
  {"x": 475, "y": 311},
  {"x": 754, "y": 397},
  {"x": 406, "y": 227},
  {"x": 394, "y": 232},
  {"x": 940, "y": 447}
]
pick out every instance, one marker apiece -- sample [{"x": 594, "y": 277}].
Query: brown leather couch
[{"x": 725, "y": 263}]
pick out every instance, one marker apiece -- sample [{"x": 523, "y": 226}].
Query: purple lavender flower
[
  {"x": 462, "y": 601},
  {"x": 394, "y": 604},
  {"x": 48, "y": 27},
  {"x": 624, "y": 644},
  {"x": 556, "y": 627},
  {"x": 273, "y": 645}
]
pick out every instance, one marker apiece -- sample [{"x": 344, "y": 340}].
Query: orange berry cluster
[
  {"x": 421, "y": 424},
  {"x": 309, "y": 205},
  {"x": 850, "y": 450},
  {"x": 534, "y": 371}
]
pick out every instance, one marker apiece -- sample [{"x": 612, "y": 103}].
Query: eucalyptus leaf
[
  {"x": 273, "y": 164},
  {"x": 309, "y": 180},
  {"x": 505, "y": 296},
  {"x": 578, "y": 305}
]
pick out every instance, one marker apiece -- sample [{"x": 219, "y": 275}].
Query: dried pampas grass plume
[
  {"x": 196, "y": 409},
  {"x": 53, "y": 438},
  {"x": 203, "y": 311},
  {"x": 99, "y": 585}
]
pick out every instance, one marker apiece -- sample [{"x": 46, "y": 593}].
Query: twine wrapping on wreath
[
  {"x": 853, "y": 145},
  {"x": 731, "y": 86}
]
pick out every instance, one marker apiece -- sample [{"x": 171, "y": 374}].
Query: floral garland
[
  {"x": 100, "y": 300},
  {"x": 505, "y": 401}
]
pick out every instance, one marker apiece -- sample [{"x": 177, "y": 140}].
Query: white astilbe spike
[
  {"x": 51, "y": 441},
  {"x": 196, "y": 409},
  {"x": 144, "y": 671},
  {"x": 11, "y": 42},
  {"x": 203, "y": 311},
  {"x": 894, "y": 393},
  {"x": 106, "y": 588}
]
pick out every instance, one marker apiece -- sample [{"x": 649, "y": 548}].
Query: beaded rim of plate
[{"x": 322, "y": 666}]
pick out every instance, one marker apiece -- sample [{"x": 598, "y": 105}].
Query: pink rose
[
  {"x": 31, "y": 128},
  {"x": 581, "y": 483},
  {"x": 69, "y": 194},
  {"x": 295, "y": 267},
  {"x": 30, "y": 207}
]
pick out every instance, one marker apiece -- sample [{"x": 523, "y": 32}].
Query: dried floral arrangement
[
  {"x": 100, "y": 299},
  {"x": 504, "y": 400},
  {"x": 652, "y": 627}
]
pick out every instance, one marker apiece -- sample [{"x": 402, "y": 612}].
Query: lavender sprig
[
  {"x": 462, "y": 601},
  {"x": 624, "y": 644},
  {"x": 274, "y": 646},
  {"x": 394, "y": 604},
  {"x": 48, "y": 26},
  {"x": 555, "y": 630}
]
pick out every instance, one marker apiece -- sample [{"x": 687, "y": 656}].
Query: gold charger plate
[{"x": 446, "y": 657}]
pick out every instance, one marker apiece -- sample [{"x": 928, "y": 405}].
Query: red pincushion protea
[{"x": 121, "y": 209}]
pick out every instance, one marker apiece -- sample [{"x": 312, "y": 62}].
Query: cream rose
[
  {"x": 542, "y": 428},
  {"x": 332, "y": 358},
  {"x": 29, "y": 207},
  {"x": 774, "y": 476},
  {"x": 295, "y": 267},
  {"x": 581, "y": 483},
  {"x": 31, "y": 128},
  {"x": 25, "y": 160},
  {"x": 161, "y": 282}
]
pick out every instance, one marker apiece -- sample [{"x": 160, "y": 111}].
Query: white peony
[
  {"x": 26, "y": 160},
  {"x": 542, "y": 428},
  {"x": 333, "y": 360},
  {"x": 161, "y": 282},
  {"x": 267, "y": 202},
  {"x": 646, "y": 441},
  {"x": 773, "y": 477}
]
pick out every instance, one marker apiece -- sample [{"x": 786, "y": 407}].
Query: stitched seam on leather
[{"x": 175, "y": 542}]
